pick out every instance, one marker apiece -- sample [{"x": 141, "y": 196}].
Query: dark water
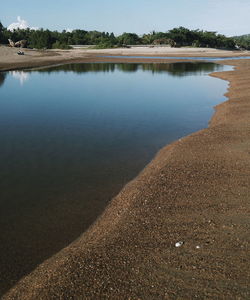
[{"x": 72, "y": 136}]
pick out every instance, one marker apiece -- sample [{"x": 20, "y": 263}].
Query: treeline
[
  {"x": 243, "y": 41},
  {"x": 177, "y": 37}
]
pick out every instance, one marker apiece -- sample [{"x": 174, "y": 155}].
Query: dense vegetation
[
  {"x": 177, "y": 37},
  {"x": 243, "y": 41}
]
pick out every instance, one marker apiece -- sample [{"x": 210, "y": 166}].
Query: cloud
[{"x": 21, "y": 24}]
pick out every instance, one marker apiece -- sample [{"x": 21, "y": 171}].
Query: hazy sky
[{"x": 229, "y": 17}]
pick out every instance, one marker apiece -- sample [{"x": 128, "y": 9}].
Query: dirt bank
[{"x": 196, "y": 190}]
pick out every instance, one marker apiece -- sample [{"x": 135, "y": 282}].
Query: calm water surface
[{"x": 71, "y": 136}]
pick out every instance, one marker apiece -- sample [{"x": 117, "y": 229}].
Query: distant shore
[
  {"x": 10, "y": 60},
  {"x": 195, "y": 191}
]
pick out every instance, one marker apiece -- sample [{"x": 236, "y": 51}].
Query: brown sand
[
  {"x": 9, "y": 60},
  {"x": 196, "y": 190}
]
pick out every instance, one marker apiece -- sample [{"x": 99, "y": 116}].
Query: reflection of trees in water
[
  {"x": 176, "y": 69},
  {"x": 2, "y": 78},
  {"x": 81, "y": 68},
  {"x": 183, "y": 68}
]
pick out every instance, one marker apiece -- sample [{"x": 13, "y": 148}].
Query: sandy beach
[
  {"x": 195, "y": 191},
  {"x": 10, "y": 60}
]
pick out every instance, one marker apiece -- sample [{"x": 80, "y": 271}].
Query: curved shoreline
[{"x": 129, "y": 251}]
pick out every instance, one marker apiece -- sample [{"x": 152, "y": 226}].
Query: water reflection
[
  {"x": 2, "y": 78},
  {"x": 20, "y": 75},
  {"x": 176, "y": 69}
]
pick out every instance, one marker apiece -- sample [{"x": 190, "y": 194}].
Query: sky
[{"x": 229, "y": 17}]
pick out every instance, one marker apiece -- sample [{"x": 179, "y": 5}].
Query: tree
[
  {"x": 1, "y": 32},
  {"x": 129, "y": 39}
]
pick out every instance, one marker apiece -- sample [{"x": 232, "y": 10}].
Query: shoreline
[
  {"x": 129, "y": 251},
  {"x": 9, "y": 60}
]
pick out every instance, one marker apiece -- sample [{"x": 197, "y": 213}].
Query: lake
[{"x": 71, "y": 136}]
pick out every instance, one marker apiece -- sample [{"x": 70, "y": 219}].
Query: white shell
[{"x": 179, "y": 244}]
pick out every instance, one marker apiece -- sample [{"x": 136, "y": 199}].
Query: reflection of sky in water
[{"x": 20, "y": 75}]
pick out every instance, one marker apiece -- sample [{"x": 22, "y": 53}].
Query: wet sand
[{"x": 196, "y": 190}]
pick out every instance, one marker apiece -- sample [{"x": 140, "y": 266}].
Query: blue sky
[{"x": 229, "y": 17}]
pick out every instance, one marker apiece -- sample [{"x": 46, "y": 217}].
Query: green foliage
[
  {"x": 1, "y": 27},
  {"x": 60, "y": 45},
  {"x": 243, "y": 41},
  {"x": 2, "y": 30},
  {"x": 176, "y": 37},
  {"x": 129, "y": 39},
  {"x": 180, "y": 37},
  {"x": 40, "y": 39},
  {"x": 104, "y": 45}
]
